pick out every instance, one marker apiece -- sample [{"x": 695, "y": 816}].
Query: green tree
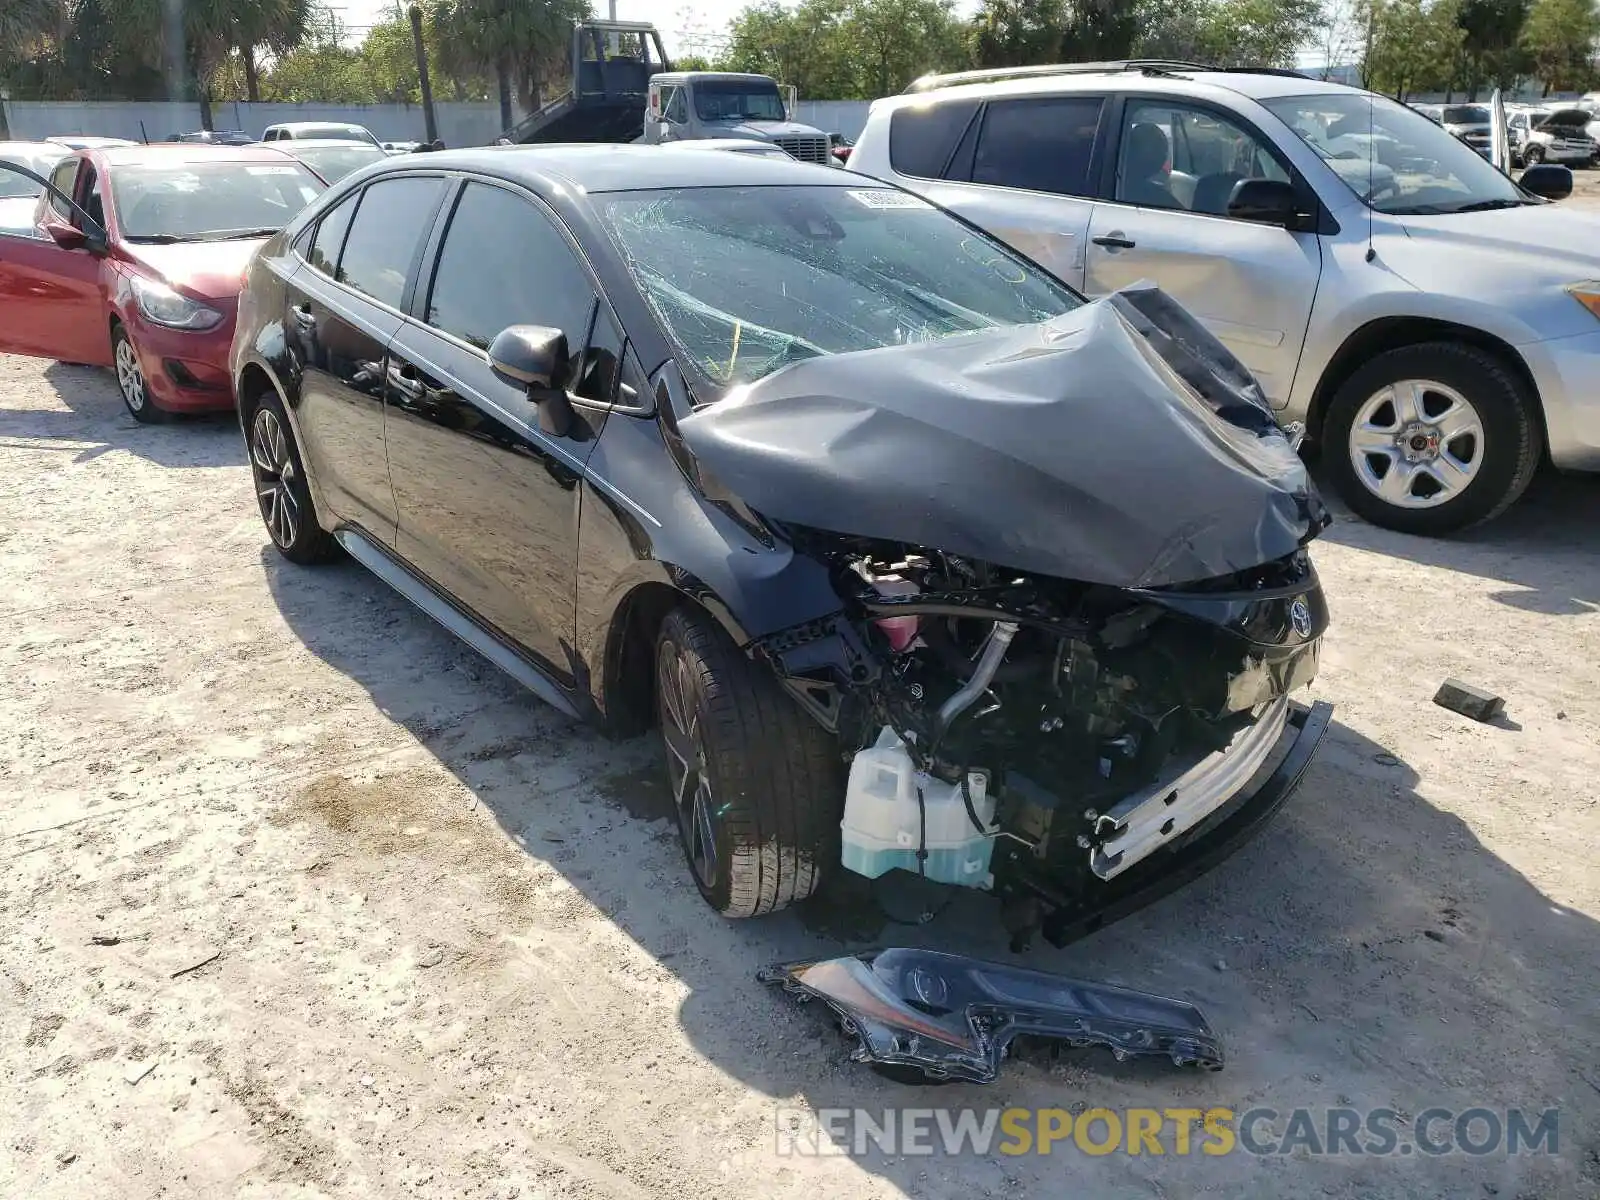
[
  {"x": 1490, "y": 50},
  {"x": 276, "y": 26},
  {"x": 523, "y": 43},
  {"x": 691, "y": 62},
  {"x": 1559, "y": 37},
  {"x": 1414, "y": 46},
  {"x": 804, "y": 46},
  {"x": 1016, "y": 33},
  {"x": 891, "y": 42},
  {"x": 1258, "y": 33}
]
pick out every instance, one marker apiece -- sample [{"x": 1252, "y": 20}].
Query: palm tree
[
  {"x": 276, "y": 25},
  {"x": 516, "y": 39}
]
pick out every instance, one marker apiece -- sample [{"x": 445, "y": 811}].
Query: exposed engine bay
[{"x": 1038, "y": 736}]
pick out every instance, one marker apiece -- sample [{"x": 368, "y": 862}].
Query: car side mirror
[
  {"x": 534, "y": 358},
  {"x": 1264, "y": 201},
  {"x": 1548, "y": 180}
]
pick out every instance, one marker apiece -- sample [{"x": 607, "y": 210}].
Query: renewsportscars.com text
[{"x": 1213, "y": 1132}]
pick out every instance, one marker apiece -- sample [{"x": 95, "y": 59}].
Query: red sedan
[{"x": 149, "y": 282}]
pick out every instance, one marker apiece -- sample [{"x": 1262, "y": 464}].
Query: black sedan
[{"x": 917, "y": 560}]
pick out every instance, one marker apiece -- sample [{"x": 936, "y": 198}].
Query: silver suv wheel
[{"x": 1417, "y": 443}]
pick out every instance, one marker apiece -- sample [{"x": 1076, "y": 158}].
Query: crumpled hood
[
  {"x": 1081, "y": 448},
  {"x": 762, "y": 131},
  {"x": 209, "y": 270}
]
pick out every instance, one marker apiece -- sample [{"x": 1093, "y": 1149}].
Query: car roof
[
  {"x": 1174, "y": 80},
  {"x": 314, "y": 124},
  {"x": 177, "y": 153},
  {"x": 299, "y": 144},
  {"x": 601, "y": 168},
  {"x": 713, "y": 76},
  {"x": 34, "y": 147}
]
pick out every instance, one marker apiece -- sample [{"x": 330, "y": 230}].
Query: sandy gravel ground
[{"x": 299, "y": 898}]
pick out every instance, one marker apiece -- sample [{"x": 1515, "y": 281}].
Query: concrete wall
[
  {"x": 459, "y": 124},
  {"x": 848, "y": 117}
]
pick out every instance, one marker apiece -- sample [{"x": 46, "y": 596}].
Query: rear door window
[
  {"x": 504, "y": 262},
  {"x": 383, "y": 239},
  {"x": 1043, "y": 144},
  {"x": 922, "y": 139}
]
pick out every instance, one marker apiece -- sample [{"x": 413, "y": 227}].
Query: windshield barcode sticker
[
  {"x": 884, "y": 198},
  {"x": 272, "y": 171}
]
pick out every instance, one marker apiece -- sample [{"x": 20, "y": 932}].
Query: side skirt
[{"x": 414, "y": 589}]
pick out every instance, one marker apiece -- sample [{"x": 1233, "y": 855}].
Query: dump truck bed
[{"x": 583, "y": 119}]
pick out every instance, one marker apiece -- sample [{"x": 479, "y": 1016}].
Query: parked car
[
  {"x": 137, "y": 263},
  {"x": 19, "y": 195},
  {"x": 331, "y": 160},
  {"x": 1559, "y": 135},
  {"x": 82, "y": 141},
  {"x": 320, "y": 131},
  {"x": 401, "y": 147},
  {"x": 1434, "y": 112},
  {"x": 1430, "y": 322},
  {"x": 214, "y": 137},
  {"x": 840, "y": 146},
  {"x": 804, "y": 467}
]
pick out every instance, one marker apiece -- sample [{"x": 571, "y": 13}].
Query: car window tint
[
  {"x": 331, "y": 229},
  {"x": 505, "y": 263},
  {"x": 390, "y": 221},
  {"x": 921, "y": 139},
  {"x": 62, "y": 177},
  {"x": 1173, "y": 156},
  {"x": 1043, "y": 145}
]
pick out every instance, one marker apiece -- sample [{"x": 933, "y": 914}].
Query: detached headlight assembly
[
  {"x": 161, "y": 304},
  {"x": 1587, "y": 294}
]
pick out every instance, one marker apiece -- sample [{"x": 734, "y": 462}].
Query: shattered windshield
[{"x": 747, "y": 280}]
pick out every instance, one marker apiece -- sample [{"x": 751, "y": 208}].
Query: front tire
[
  {"x": 757, "y": 787},
  {"x": 1532, "y": 156},
  {"x": 1432, "y": 438},
  {"x": 131, "y": 382},
  {"x": 287, "y": 509}
]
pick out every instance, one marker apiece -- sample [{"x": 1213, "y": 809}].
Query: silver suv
[{"x": 1434, "y": 325}]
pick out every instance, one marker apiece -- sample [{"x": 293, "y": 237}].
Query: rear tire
[
  {"x": 287, "y": 509},
  {"x": 1462, "y": 478},
  {"x": 757, "y": 787},
  {"x": 131, "y": 382}
]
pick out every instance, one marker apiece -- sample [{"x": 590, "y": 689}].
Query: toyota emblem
[{"x": 1300, "y": 617}]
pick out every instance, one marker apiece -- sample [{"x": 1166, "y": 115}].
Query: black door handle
[{"x": 1113, "y": 241}]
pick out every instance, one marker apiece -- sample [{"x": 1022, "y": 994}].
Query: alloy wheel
[
  {"x": 1416, "y": 443},
  {"x": 130, "y": 376},
  {"x": 692, "y": 798},
  {"x": 274, "y": 471}
]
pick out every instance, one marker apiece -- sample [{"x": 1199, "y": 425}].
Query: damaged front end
[
  {"x": 1062, "y": 743},
  {"x": 1075, "y": 600}
]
